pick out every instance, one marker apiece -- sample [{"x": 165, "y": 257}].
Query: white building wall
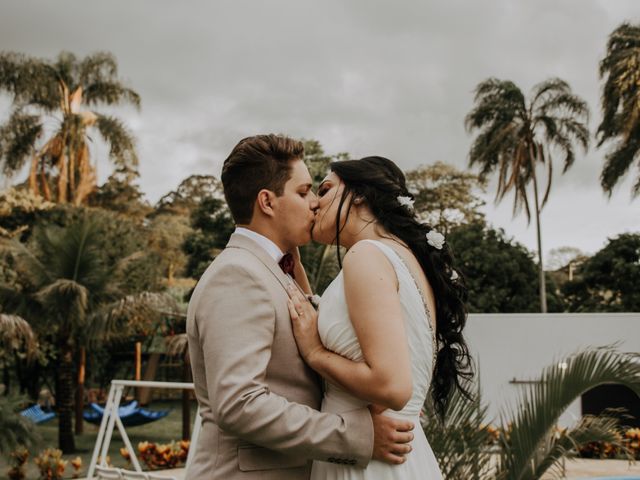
[{"x": 519, "y": 346}]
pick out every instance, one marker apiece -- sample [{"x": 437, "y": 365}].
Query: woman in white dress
[{"x": 390, "y": 325}]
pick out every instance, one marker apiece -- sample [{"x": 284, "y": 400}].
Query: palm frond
[
  {"x": 16, "y": 335},
  {"x": 563, "y": 442},
  {"x": 17, "y": 139},
  {"x": 460, "y": 442},
  {"x": 120, "y": 140},
  {"x": 67, "y": 299}
]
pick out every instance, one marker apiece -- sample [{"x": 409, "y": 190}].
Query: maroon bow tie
[{"x": 286, "y": 264}]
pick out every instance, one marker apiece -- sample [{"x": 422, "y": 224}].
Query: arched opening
[{"x": 598, "y": 399}]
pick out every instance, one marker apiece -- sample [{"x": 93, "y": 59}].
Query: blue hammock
[
  {"x": 130, "y": 414},
  {"x": 37, "y": 415}
]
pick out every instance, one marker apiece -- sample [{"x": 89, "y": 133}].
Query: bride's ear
[{"x": 264, "y": 202}]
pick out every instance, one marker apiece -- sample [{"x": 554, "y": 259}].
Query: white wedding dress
[{"x": 337, "y": 334}]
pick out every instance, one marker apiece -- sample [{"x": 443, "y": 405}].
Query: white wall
[{"x": 508, "y": 346}]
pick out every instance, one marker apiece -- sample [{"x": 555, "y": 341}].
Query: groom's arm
[{"x": 236, "y": 323}]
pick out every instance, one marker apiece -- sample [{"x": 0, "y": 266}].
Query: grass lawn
[{"x": 162, "y": 431}]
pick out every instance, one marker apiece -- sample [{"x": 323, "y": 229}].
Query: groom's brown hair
[{"x": 261, "y": 161}]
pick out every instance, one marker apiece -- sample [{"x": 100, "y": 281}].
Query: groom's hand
[{"x": 391, "y": 437}]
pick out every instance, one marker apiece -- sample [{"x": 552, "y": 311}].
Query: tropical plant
[
  {"x": 460, "y": 440},
  {"x": 530, "y": 444},
  {"x": 620, "y": 105},
  {"x": 57, "y": 93},
  {"x": 517, "y": 136},
  {"x": 72, "y": 292}
]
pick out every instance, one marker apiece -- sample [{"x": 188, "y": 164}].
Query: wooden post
[
  {"x": 80, "y": 391},
  {"x": 186, "y": 399}
]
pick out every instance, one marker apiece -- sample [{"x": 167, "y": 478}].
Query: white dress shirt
[{"x": 271, "y": 248}]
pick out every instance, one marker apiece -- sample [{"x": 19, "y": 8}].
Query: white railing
[{"x": 111, "y": 418}]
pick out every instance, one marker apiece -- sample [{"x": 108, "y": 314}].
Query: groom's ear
[{"x": 265, "y": 201}]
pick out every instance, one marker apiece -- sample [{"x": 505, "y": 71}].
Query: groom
[{"x": 259, "y": 401}]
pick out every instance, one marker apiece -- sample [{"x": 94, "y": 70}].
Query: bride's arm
[{"x": 371, "y": 290}]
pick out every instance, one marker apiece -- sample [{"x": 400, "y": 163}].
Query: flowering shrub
[
  {"x": 161, "y": 456},
  {"x": 18, "y": 460},
  {"x": 51, "y": 464},
  {"x": 630, "y": 439}
]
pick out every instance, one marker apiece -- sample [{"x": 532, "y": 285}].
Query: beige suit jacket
[{"x": 259, "y": 401}]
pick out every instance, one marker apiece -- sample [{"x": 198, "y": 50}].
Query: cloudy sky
[{"x": 361, "y": 76}]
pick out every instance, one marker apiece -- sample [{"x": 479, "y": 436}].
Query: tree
[
  {"x": 500, "y": 273},
  {"x": 67, "y": 288},
  {"x": 530, "y": 445},
  {"x": 517, "y": 136},
  {"x": 212, "y": 226},
  {"x": 445, "y": 197},
  {"x": 189, "y": 194},
  {"x": 57, "y": 93},
  {"x": 120, "y": 194},
  {"x": 620, "y": 105},
  {"x": 560, "y": 257},
  {"x": 167, "y": 234},
  {"x": 608, "y": 281}
]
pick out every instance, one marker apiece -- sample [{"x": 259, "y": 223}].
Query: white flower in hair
[
  {"x": 454, "y": 275},
  {"x": 435, "y": 239},
  {"x": 406, "y": 201}
]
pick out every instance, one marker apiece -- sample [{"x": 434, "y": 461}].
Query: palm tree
[
  {"x": 531, "y": 444},
  {"x": 518, "y": 136},
  {"x": 50, "y": 124},
  {"x": 67, "y": 283},
  {"x": 621, "y": 105}
]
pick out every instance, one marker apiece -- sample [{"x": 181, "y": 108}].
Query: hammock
[
  {"x": 37, "y": 415},
  {"x": 130, "y": 414}
]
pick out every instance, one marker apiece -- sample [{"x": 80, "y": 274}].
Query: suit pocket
[{"x": 257, "y": 458}]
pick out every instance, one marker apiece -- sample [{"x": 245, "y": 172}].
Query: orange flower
[
  {"x": 125, "y": 453},
  {"x": 77, "y": 463}
]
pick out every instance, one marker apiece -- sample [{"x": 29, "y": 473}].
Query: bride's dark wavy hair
[{"x": 379, "y": 182}]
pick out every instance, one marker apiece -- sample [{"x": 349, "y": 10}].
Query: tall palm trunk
[
  {"x": 64, "y": 400},
  {"x": 542, "y": 280}
]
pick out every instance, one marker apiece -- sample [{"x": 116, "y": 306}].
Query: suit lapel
[{"x": 245, "y": 243}]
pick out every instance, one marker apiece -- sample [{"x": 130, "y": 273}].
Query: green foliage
[
  {"x": 15, "y": 430},
  {"x": 608, "y": 281},
  {"x": 446, "y": 197},
  {"x": 500, "y": 274},
  {"x": 120, "y": 194},
  {"x": 190, "y": 193},
  {"x": 621, "y": 105},
  {"x": 212, "y": 225},
  {"x": 73, "y": 284}
]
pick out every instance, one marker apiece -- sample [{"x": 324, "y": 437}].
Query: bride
[{"x": 389, "y": 327}]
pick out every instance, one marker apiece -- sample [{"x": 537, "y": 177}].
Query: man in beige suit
[{"x": 259, "y": 401}]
